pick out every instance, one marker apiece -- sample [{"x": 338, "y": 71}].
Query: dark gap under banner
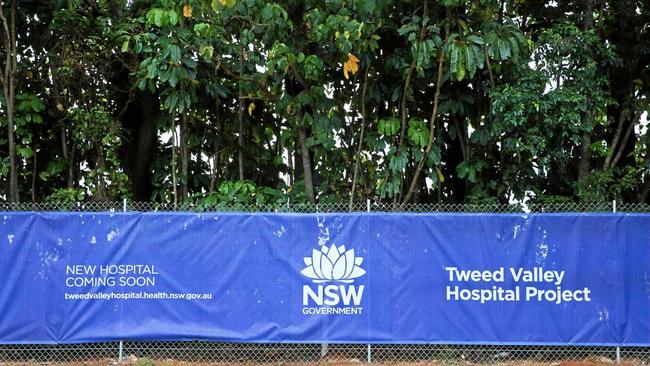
[{"x": 535, "y": 279}]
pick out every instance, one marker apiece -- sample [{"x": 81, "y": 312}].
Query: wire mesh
[
  {"x": 149, "y": 353},
  {"x": 217, "y": 353},
  {"x": 326, "y": 207}
]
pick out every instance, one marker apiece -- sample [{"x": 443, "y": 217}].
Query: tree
[
  {"x": 8, "y": 81},
  {"x": 326, "y": 102}
]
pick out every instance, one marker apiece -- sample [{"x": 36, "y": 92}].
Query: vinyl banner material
[{"x": 580, "y": 279}]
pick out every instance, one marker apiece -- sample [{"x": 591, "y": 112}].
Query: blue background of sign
[{"x": 252, "y": 264}]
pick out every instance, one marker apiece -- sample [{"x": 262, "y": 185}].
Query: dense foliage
[{"x": 325, "y": 100}]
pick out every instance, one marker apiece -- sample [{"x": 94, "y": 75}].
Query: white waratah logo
[{"x": 333, "y": 265}]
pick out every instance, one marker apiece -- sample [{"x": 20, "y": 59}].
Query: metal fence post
[
  {"x": 618, "y": 349},
  {"x": 120, "y": 357},
  {"x": 121, "y": 353},
  {"x": 369, "y": 355}
]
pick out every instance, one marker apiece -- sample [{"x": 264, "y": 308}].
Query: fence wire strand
[{"x": 150, "y": 353}]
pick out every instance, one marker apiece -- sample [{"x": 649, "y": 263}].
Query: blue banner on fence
[{"x": 581, "y": 279}]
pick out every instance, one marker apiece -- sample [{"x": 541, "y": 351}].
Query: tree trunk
[
  {"x": 407, "y": 81},
  {"x": 216, "y": 156},
  {"x": 626, "y": 138},
  {"x": 240, "y": 115},
  {"x": 644, "y": 191},
  {"x": 174, "y": 191},
  {"x": 140, "y": 119},
  {"x": 588, "y": 21},
  {"x": 290, "y": 161},
  {"x": 34, "y": 173},
  {"x": 361, "y": 136},
  {"x": 9, "y": 90},
  {"x": 434, "y": 113},
  {"x": 13, "y": 172},
  {"x": 101, "y": 189},
  {"x": 584, "y": 164},
  {"x": 306, "y": 164},
  {"x": 626, "y": 32},
  {"x": 214, "y": 172},
  {"x": 184, "y": 158}
]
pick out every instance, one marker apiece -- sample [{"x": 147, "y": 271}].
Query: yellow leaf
[
  {"x": 441, "y": 177},
  {"x": 187, "y": 11},
  {"x": 351, "y": 66},
  {"x": 251, "y": 108},
  {"x": 223, "y": 2}
]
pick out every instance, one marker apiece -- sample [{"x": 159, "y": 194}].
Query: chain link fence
[
  {"x": 149, "y": 353},
  {"x": 203, "y": 353},
  {"x": 367, "y": 206}
]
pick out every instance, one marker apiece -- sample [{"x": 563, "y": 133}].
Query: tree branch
[
  {"x": 361, "y": 136},
  {"x": 409, "y": 76},
  {"x": 434, "y": 114},
  {"x": 626, "y": 138},
  {"x": 617, "y": 136}
]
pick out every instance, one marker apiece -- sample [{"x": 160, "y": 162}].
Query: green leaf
[
  {"x": 152, "y": 70},
  {"x": 201, "y": 28},
  {"x": 206, "y": 52},
  {"x": 460, "y": 71},
  {"x": 175, "y": 53},
  {"x": 453, "y": 61},
  {"x": 125, "y": 45},
  {"x": 475, "y": 39},
  {"x": 24, "y": 151},
  {"x": 407, "y": 28},
  {"x": 418, "y": 133},
  {"x": 504, "y": 49},
  {"x": 151, "y": 15},
  {"x": 158, "y": 17},
  {"x": 173, "y": 77},
  {"x": 171, "y": 101},
  {"x": 267, "y": 12},
  {"x": 514, "y": 47},
  {"x": 389, "y": 126},
  {"x": 469, "y": 60},
  {"x": 461, "y": 169},
  {"x": 173, "y": 17},
  {"x": 189, "y": 62},
  {"x": 435, "y": 155},
  {"x": 479, "y": 57}
]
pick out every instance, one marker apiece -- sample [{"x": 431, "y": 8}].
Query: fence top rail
[{"x": 129, "y": 206}]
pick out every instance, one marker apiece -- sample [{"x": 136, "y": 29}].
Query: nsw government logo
[{"x": 333, "y": 271}]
